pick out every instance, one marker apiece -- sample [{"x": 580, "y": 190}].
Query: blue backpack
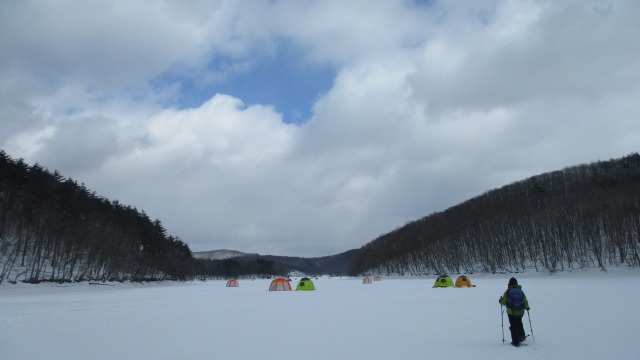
[{"x": 515, "y": 299}]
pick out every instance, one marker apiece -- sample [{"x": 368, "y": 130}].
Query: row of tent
[
  {"x": 368, "y": 280},
  {"x": 282, "y": 284},
  {"x": 441, "y": 281},
  {"x": 446, "y": 281}
]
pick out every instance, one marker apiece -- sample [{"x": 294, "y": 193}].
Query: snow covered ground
[{"x": 578, "y": 315}]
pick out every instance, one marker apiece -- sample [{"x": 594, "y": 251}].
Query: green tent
[
  {"x": 443, "y": 281},
  {"x": 305, "y": 284}
]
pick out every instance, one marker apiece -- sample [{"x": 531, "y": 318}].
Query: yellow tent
[{"x": 463, "y": 281}]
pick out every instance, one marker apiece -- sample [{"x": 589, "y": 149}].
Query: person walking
[{"x": 516, "y": 302}]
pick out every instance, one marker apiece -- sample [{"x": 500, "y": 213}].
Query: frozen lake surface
[{"x": 577, "y": 315}]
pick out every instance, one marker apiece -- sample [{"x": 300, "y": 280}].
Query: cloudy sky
[{"x": 308, "y": 128}]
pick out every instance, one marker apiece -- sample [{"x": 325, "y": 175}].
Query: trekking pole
[
  {"x": 502, "y": 316},
  {"x": 530, "y": 328}
]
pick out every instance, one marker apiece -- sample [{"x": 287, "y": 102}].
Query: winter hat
[{"x": 513, "y": 281}]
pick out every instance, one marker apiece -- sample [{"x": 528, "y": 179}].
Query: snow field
[{"x": 579, "y": 315}]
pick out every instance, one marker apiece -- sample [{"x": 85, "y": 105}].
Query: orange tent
[
  {"x": 463, "y": 281},
  {"x": 280, "y": 284},
  {"x": 232, "y": 283},
  {"x": 366, "y": 281},
  {"x": 377, "y": 278}
]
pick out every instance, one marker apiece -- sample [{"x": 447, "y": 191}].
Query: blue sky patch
[{"x": 285, "y": 81}]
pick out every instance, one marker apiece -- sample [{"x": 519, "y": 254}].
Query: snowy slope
[{"x": 580, "y": 315}]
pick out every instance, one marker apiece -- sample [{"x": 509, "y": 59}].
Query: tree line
[
  {"x": 54, "y": 229},
  {"x": 585, "y": 216},
  {"x": 330, "y": 265},
  {"x": 239, "y": 268}
]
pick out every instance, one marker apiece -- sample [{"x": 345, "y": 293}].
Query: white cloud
[
  {"x": 430, "y": 105},
  {"x": 115, "y": 44}
]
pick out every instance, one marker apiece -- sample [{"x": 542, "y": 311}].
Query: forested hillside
[
  {"x": 582, "y": 216},
  {"x": 54, "y": 229}
]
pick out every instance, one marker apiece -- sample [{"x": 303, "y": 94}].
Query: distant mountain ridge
[
  {"x": 332, "y": 265},
  {"x": 222, "y": 254}
]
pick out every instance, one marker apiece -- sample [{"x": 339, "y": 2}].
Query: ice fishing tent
[
  {"x": 443, "y": 281},
  {"x": 280, "y": 284},
  {"x": 463, "y": 281},
  {"x": 377, "y": 278},
  {"x": 305, "y": 284},
  {"x": 366, "y": 281},
  {"x": 232, "y": 283}
]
